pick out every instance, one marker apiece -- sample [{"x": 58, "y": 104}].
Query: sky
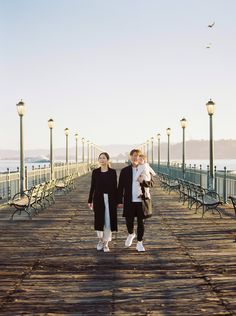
[{"x": 116, "y": 71}]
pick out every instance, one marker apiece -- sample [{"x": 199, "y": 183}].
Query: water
[
  {"x": 230, "y": 164},
  {"x": 219, "y": 163},
  {"x": 13, "y": 164}
]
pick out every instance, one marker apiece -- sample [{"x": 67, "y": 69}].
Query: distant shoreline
[
  {"x": 230, "y": 164},
  {"x": 195, "y": 150}
]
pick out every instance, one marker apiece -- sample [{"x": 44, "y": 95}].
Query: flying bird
[
  {"x": 209, "y": 45},
  {"x": 211, "y": 25}
]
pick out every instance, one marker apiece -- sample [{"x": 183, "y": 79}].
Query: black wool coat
[
  {"x": 96, "y": 197},
  {"x": 125, "y": 191}
]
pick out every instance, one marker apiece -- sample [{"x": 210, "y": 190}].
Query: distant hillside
[
  {"x": 195, "y": 149},
  {"x": 59, "y": 153},
  {"x": 199, "y": 149}
]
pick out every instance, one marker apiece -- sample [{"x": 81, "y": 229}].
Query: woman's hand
[{"x": 90, "y": 205}]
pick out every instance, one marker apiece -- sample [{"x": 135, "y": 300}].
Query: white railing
[
  {"x": 224, "y": 181},
  {"x": 10, "y": 181}
]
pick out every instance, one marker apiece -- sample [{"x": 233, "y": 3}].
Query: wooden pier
[{"x": 50, "y": 266}]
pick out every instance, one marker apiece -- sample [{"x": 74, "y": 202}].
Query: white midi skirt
[{"x": 106, "y": 234}]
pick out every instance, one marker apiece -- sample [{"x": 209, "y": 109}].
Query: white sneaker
[
  {"x": 100, "y": 245},
  {"x": 129, "y": 240},
  {"x": 106, "y": 248},
  {"x": 140, "y": 246}
]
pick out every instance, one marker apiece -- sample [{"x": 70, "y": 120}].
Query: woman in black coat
[{"x": 103, "y": 200}]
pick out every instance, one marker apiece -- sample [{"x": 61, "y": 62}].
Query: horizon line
[{"x": 120, "y": 144}]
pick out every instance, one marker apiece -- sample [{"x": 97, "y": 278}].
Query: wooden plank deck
[{"x": 49, "y": 266}]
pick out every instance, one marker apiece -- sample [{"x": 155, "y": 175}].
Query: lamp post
[
  {"x": 91, "y": 153},
  {"x": 144, "y": 148},
  {"x": 147, "y": 146},
  {"x": 94, "y": 154},
  {"x": 183, "y": 123},
  {"x": 152, "y": 149},
  {"x": 88, "y": 159},
  {"x": 159, "y": 150},
  {"x": 83, "y": 141},
  {"x": 67, "y": 153},
  {"x": 76, "y": 150},
  {"x": 168, "y": 132},
  {"x": 21, "y": 111},
  {"x": 51, "y": 126},
  {"x": 210, "y": 109}
]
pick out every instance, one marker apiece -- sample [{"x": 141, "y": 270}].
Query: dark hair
[
  {"x": 137, "y": 151},
  {"x": 105, "y": 154}
]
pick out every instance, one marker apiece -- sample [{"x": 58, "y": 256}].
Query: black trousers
[{"x": 137, "y": 211}]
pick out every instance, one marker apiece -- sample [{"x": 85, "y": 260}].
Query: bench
[
  {"x": 209, "y": 200},
  {"x": 199, "y": 196},
  {"x": 195, "y": 192},
  {"x": 169, "y": 184},
  {"x": 24, "y": 202},
  {"x": 183, "y": 191},
  {"x": 192, "y": 193},
  {"x": 93, "y": 166},
  {"x": 65, "y": 184},
  {"x": 33, "y": 199},
  {"x": 49, "y": 193},
  {"x": 233, "y": 200}
]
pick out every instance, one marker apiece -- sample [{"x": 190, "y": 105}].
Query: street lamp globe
[
  {"x": 183, "y": 122},
  {"x": 21, "y": 108},
  {"x": 66, "y": 131},
  {"x": 158, "y": 136},
  {"x": 50, "y": 123},
  {"x": 168, "y": 131},
  {"x": 210, "y": 107}
]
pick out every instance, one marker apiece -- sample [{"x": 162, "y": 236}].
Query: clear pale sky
[{"x": 116, "y": 71}]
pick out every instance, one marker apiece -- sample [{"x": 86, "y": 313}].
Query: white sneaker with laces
[
  {"x": 139, "y": 246},
  {"x": 106, "y": 248},
  {"x": 100, "y": 245},
  {"x": 129, "y": 240}
]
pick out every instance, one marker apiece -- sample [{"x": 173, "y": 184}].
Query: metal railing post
[
  {"x": 33, "y": 175},
  {"x": 8, "y": 184},
  {"x": 208, "y": 176},
  {"x": 215, "y": 179},
  {"x": 26, "y": 178},
  {"x": 225, "y": 186},
  {"x": 200, "y": 175}
]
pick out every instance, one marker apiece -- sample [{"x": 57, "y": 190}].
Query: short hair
[
  {"x": 135, "y": 151},
  {"x": 143, "y": 156}
]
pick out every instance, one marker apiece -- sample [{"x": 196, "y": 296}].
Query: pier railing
[
  {"x": 10, "y": 181},
  {"x": 224, "y": 181}
]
